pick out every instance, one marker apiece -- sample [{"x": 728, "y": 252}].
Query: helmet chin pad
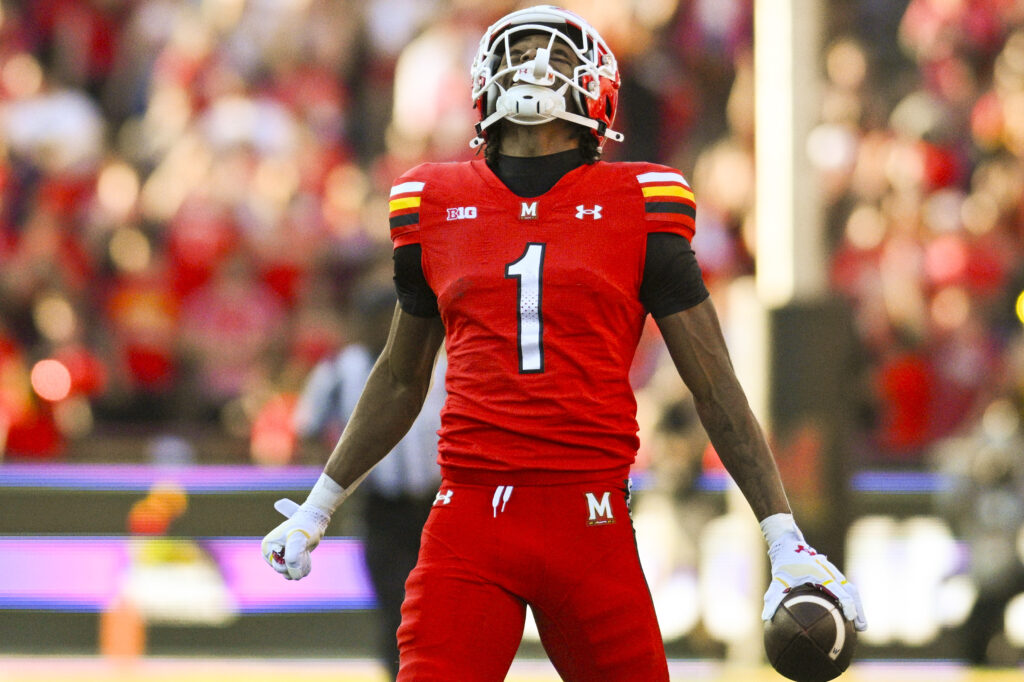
[{"x": 531, "y": 104}]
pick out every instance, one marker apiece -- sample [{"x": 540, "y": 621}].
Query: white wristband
[
  {"x": 775, "y": 526},
  {"x": 327, "y": 495}
]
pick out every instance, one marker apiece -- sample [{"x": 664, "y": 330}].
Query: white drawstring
[{"x": 501, "y": 494}]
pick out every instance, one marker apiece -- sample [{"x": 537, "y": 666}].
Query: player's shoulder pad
[
  {"x": 428, "y": 176},
  {"x": 655, "y": 174},
  {"x": 667, "y": 196},
  {"x": 411, "y": 191},
  {"x": 413, "y": 181},
  {"x": 405, "y": 199}
]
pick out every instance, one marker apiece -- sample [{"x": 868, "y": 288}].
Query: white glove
[
  {"x": 794, "y": 563},
  {"x": 287, "y": 547}
]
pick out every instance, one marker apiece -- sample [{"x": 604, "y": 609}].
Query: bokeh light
[
  {"x": 276, "y": 179},
  {"x": 1000, "y": 421},
  {"x": 74, "y": 417},
  {"x": 345, "y": 190},
  {"x": 54, "y": 317},
  {"x": 118, "y": 189},
  {"x": 950, "y": 307},
  {"x": 222, "y": 14},
  {"x": 1014, "y": 621},
  {"x": 22, "y": 76},
  {"x": 979, "y": 213},
  {"x": 273, "y": 433},
  {"x": 654, "y": 13},
  {"x": 51, "y": 380},
  {"x": 846, "y": 64},
  {"x": 183, "y": 168},
  {"x": 1013, "y": 125},
  {"x": 942, "y": 211},
  {"x": 946, "y": 259},
  {"x": 865, "y": 228},
  {"x": 130, "y": 250},
  {"x": 832, "y": 147}
]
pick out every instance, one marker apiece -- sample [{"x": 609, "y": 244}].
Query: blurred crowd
[{"x": 190, "y": 190}]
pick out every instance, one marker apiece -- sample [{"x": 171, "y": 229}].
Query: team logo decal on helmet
[{"x": 533, "y": 92}]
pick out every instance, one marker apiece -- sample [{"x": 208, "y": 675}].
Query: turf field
[{"x": 79, "y": 669}]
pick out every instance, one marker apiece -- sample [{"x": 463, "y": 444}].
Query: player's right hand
[{"x": 287, "y": 547}]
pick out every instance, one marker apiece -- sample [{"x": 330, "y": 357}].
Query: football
[{"x": 808, "y": 639}]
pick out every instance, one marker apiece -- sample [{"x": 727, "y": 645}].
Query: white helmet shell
[{"x": 536, "y": 92}]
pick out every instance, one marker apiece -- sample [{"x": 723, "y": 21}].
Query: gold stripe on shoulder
[{"x": 399, "y": 204}]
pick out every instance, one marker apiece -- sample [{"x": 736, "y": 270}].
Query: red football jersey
[{"x": 540, "y": 302}]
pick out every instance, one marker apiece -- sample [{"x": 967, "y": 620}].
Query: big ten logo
[
  {"x": 462, "y": 213},
  {"x": 599, "y": 512}
]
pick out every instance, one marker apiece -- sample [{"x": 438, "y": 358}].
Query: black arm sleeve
[
  {"x": 414, "y": 294},
  {"x": 672, "y": 279}
]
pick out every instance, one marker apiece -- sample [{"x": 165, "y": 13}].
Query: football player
[{"x": 536, "y": 266}]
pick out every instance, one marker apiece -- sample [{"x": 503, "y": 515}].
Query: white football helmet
[{"x": 534, "y": 95}]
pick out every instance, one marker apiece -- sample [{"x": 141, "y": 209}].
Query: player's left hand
[{"x": 794, "y": 562}]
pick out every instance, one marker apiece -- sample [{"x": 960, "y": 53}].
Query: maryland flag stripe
[
  {"x": 656, "y": 178},
  {"x": 668, "y": 197},
  {"x": 400, "y": 204},
  {"x": 404, "y": 205},
  {"x": 668, "y": 191}
]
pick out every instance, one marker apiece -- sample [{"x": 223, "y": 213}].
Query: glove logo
[{"x": 805, "y": 548}]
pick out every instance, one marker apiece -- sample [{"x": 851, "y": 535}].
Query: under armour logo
[
  {"x": 805, "y": 548},
  {"x": 444, "y": 497},
  {"x": 582, "y": 211}
]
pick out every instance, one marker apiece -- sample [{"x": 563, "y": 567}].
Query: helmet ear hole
[{"x": 608, "y": 107}]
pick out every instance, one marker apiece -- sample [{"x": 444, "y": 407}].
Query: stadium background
[{"x": 190, "y": 188}]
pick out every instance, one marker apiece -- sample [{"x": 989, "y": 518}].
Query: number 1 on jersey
[{"x": 527, "y": 273}]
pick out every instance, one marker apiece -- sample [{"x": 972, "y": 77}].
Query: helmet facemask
[{"x": 535, "y": 92}]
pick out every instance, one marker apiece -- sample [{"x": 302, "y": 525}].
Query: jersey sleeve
[
  {"x": 672, "y": 280},
  {"x": 404, "y": 207},
  {"x": 414, "y": 294},
  {"x": 669, "y": 203}
]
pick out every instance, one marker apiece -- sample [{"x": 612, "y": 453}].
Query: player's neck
[
  {"x": 531, "y": 176},
  {"x": 540, "y": 140}
]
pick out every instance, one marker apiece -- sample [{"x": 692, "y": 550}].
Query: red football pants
[{"x": 566, "y": 550}]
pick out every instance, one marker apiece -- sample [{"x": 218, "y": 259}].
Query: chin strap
[
  {"x": 484, "y": 125},
  {"x": 600, "y": 126}
]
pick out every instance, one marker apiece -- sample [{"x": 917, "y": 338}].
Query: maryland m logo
[{"x": 600, "y": 512}]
